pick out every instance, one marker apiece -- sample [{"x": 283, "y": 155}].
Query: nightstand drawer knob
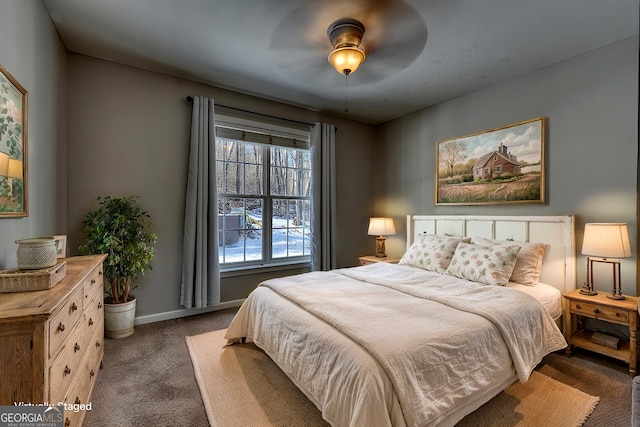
[
  {"x": 596, "y": 311},
  {"x": 578, "y": 306}
]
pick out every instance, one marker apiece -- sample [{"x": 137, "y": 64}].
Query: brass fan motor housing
[{"x": 345, "y": 32}]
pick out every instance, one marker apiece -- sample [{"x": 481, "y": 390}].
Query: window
[{"x": 264, "y": 194}]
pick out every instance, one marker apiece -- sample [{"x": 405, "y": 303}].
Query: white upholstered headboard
[{"x": 556, "y": 232}]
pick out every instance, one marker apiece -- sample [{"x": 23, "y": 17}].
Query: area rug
[{"x": 241, "y": 386}]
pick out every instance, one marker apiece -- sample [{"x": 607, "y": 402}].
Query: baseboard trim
[{"x": 176, "y": 314}]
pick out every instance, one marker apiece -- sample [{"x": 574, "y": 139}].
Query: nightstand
[
  {"x": 577, "y": 306},
  {"x": 372, "y": 259}
]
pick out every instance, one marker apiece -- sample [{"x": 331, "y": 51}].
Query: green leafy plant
[{"x": 121, "y": 229}]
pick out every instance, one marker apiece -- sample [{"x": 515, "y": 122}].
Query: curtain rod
[{"x": 190, "y": 99}]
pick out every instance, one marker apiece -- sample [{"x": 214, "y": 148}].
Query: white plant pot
[{"x": 119, "y": 319}]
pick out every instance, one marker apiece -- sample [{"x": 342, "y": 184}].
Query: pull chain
[{"x": 346, "y": 97}]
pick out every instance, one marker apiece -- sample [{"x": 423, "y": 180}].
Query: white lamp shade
[
  {"x": 4, "y": 164},
  {"x": 15, "y": 169},
  {"x": 381, "y": 227},
  {"x": 606, "y": 240}
]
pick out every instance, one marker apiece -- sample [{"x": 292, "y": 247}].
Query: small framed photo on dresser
[{"x": 61, "y": 246}]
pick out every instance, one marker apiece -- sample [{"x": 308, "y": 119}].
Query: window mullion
[{"x": 267, "y": 209}]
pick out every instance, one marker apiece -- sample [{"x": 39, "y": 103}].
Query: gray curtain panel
[
  {"x": 200, "y": 266},
  {"x": 323, "y": 197}
]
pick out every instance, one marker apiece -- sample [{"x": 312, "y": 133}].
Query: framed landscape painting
[
  {"x": 13, "y": 147},
  {"x": 499, "y": 166}
]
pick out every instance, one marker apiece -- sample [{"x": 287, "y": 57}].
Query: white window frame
[{"x": 274, "y": 135}]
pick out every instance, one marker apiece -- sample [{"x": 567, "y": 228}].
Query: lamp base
[
  {"x": 587, "y": 289},
  {"x": 380, "y": 247},
  {"x": 616, "y": 296}
]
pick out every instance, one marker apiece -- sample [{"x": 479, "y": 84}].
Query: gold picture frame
[
  {"x": 13, "y": 147},
  {"x": 499, "y": 166}
]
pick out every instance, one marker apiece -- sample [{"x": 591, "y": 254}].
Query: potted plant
[{"x": 120, "y": 229}]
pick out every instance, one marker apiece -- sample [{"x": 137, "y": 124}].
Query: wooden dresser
[{"x": 52, "y": 342}]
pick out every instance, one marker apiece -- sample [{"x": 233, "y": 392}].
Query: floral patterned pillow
[
  {"x": 491, "y": 265},
  {"x": 432, "y": 252},
  {"x": 529, "y": 264}
]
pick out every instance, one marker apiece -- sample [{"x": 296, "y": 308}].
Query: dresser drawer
[
  {"x": 68, "y": 363},
  {"x": 71, "y": 418},
  {"x": 93, "y": 285},
  {"x": 94, "y": 315},
  {"x": 597, "y": 311},
  {"x": 62, "y": 323},
  {"x": 93, "y": 358},
  {"x": 80, "y": 390}
]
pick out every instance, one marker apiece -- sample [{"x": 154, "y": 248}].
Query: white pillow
[
  {"x": 529, "y": 263},
  {"x": 491, "y": 265},
  {"x": 432, "y": 252}
]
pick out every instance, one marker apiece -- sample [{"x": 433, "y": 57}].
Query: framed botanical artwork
[
  {"x": 61, "y": 246},
  {"x": 13, "y": 147},
  {"x": 498, "y": 166}
]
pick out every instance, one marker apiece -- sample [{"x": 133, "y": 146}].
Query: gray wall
[
  {"x": 129, "y": 135},
  {"x": 128, "y": 129},
  {"x": 591, "y": 103},
  {"x": 32, "y": 52}
]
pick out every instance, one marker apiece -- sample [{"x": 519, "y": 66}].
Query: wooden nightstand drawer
[{"x": 601, "y": 312}]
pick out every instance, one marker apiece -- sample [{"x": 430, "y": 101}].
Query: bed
[{"x": 416, "y": 345}]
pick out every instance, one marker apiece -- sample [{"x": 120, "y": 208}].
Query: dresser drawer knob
[
  {"x": 90, "y": 322},
  {"x": 93, "y": 281},
  {"x": 67, "y": 422},
  {"x": 99, "y": 305},
  {"x": 596, "y": 311},
  {"x": 100, "y": 273},
  {"x": 74, "y": 307},
  {"x": 578, "y": 306},
  {"x": 67, "y": 370},
  {"x": 61, "y": 327},
  {"x": 97, "y": 344},
  {"x": 76, "y": 348},
  {"x": 92, "y": 373}
]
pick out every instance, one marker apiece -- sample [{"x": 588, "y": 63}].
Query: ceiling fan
[{"x": 392, "y": 35}]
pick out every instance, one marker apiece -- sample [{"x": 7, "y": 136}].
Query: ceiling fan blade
[{"x": 395, "y": 35}]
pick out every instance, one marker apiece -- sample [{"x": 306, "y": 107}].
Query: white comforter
[{"x": 384, "y": 344}]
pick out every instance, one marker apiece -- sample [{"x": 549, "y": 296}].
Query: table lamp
[
  {"x": 381, "y": 227},
  {"x": 607, "y": 242}
]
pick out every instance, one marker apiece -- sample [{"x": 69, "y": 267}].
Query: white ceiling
[{"x": 419, "y": 52}]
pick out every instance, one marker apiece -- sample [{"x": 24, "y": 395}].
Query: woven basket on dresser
[{"x": 18, "y": 280}]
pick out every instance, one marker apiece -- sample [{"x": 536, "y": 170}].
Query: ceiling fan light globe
[{"x": 346, "y": 60}]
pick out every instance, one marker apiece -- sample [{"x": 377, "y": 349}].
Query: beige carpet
[{"x": 241, "y": 386}]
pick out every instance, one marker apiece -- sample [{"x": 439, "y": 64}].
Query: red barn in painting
[{"x": 495, "y": 164}]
